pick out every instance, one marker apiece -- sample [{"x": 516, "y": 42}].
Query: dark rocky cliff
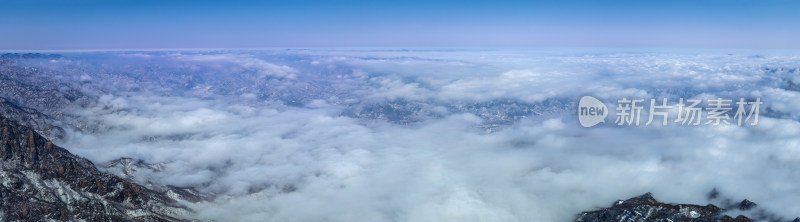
[{"x": 39, "y": 180}]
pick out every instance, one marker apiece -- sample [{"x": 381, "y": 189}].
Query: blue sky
[{"x": 145, "y": 24}]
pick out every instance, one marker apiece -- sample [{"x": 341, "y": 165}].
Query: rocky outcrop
[
  {"x": 39, "y": 181},
  {"x": 646, "y": 208}
]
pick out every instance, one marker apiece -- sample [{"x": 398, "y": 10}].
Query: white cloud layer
[{"x": 314, "y": 162}]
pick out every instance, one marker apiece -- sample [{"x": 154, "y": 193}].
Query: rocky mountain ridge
[
  {"x": 646, "y": 208},
  {"x": 41, "y": 181}
]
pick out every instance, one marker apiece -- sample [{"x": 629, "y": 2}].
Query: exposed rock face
[
  {"x": 746, "y": 205},
  {"x": 39, "y": 181},
  {"x": 647, "y": 208}
]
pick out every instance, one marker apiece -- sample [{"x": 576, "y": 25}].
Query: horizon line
[{"x": 394, "y": 48}]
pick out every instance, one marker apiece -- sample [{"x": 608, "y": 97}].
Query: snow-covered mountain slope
[{"x": 39, "y": 181}]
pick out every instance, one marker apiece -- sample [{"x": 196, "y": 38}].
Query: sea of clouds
[{"x": 436, "y": 135}]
